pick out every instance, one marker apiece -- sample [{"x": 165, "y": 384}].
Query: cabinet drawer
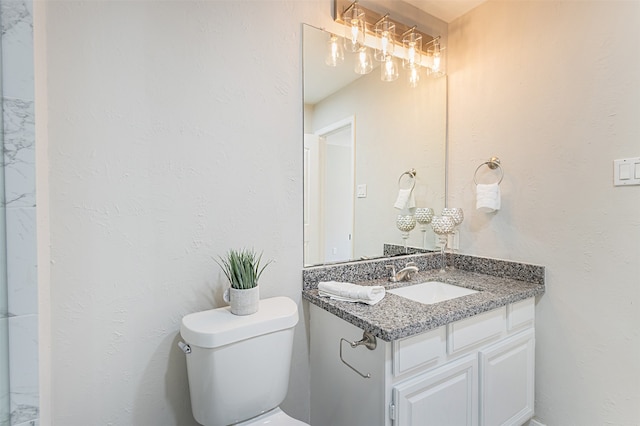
[
  {"x": 521, "y": 314},
  {"x": 464, "y": 334},
  {"x": 418, "y": 351}
]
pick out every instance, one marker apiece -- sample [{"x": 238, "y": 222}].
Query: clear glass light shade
[
  {"x": 385, "y": 32},
  {"x": 335, "y": 53},
  {"x": 412, "y": 44},
  {"x": 355, "y": 28},
  {"x": 364, "y": 64},
  {"x": 389, "y": 69},
  {"x": 436, "y": 60}
]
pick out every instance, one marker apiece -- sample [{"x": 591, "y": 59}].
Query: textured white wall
[
  {"x": 174, "y": 134},
  {"x": 552, "y": 88}
]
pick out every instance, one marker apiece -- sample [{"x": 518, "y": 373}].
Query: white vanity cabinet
[{"x": 476, "y": 371}]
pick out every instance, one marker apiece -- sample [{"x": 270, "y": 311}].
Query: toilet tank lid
[{"x": 219, "y": 327}]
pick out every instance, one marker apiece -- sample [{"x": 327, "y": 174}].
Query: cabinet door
[
  {"x": 446, "y": 396},
  {"x": 507, "y": 381}
]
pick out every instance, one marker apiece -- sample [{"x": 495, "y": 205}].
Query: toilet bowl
[{"x": 238, "y": 366}]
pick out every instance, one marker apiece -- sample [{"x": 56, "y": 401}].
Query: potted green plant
[{"x": 242, "y": 269}]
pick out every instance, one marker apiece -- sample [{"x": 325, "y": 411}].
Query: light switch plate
[
  {"x": 625, "y": 171},
  {"x": 361, "y": 191}
]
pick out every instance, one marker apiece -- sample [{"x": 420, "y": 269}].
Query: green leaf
[{"x": 242, "y": 268}]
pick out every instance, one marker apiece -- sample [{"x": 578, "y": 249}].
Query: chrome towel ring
[
  {"x": 493, "y": 163},
  {"x": 412, "y": 176}
]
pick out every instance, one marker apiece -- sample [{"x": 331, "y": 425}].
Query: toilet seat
[{"x": 275, "y": 417}]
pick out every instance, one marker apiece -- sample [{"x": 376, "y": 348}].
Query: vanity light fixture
[
  {"x": 355, "y": 27},
  {"x": 335, "y": 53},
  {"x": 418, "y": 49}
]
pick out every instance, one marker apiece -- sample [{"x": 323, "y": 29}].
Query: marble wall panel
[
  {"x": 17, "y": 49},
  {"x": 18, "y": 208},
  {"x": 19, "y": 152},
  {"x": 23, "y": 374},
  {"x": 22, "y": 287}
]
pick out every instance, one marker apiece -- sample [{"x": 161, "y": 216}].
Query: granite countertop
[{"x": 396, "y": 317}]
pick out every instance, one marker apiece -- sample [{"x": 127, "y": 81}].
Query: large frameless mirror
[{"x": 361, "y": 137}]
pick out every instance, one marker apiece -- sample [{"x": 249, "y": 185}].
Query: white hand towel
[
  {"x": 348, "y": 292},
  {"x": 405, "y": 199},
  {"x": 488, "y": 197}
]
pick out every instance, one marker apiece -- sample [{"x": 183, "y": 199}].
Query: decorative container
[{"x": 242, "y": 301}]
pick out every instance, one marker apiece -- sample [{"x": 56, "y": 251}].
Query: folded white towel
[
  {"x": 348, "y": 292},
  {"x": 405, "y": 199},
  {"x": 488, "y": 197}
]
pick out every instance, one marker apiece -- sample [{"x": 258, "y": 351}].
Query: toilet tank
[{"x": 239, "y": 366}]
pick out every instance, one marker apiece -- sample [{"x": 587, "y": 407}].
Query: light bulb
[
  {"x": 414, "y": 76},
  {"x": 436, "y": 57},
  {"x": 384, "y": 43},
  {"x": 436, "y": 66},
  {"x": 436, "y": 63},
  {"x": 355, "y": 29},
  {"x": 389, "y": 69},
  {"x": 412, "y": 53}
]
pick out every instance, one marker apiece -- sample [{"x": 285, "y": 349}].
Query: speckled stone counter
[{"x": 498, "y": 283}]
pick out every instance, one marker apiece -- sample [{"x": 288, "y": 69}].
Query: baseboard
[{"x": 534, "y": 422}]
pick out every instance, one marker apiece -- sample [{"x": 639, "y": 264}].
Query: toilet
[{"x": 238, "y": 366}]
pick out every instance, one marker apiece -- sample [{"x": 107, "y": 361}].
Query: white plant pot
[{"x": 242, "y": 302}]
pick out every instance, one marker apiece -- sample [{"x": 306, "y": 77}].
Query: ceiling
[{"x": 447, "y": 10}]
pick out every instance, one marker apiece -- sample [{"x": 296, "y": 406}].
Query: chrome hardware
[
  {"x": 493, "y": 163},
  {"x": 403, "y": 274},
  {"x": 393, "y": 272},
  {"x": 368, "y": 341},
  {"x": 184, "y": 347},
  {"x": 412, "y": 176}
]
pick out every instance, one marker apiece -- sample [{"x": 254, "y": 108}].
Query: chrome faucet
[{"x": 403, "y": 274}]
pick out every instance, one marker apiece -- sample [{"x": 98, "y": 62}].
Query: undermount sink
[{"x": 431, "y": 292}]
